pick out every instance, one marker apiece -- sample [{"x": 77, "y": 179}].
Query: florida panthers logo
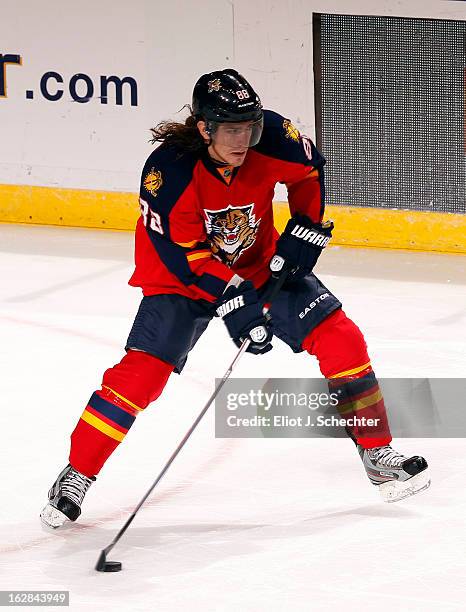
[
  {"x": 153, "y": 181},
  {"x": 231, "y": 231},
  {"x": 214, "y": 85},
  {"x": 290, "y": 130}
]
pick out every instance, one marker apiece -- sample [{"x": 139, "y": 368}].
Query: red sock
[
  {"x": 127, "y": 388},
  {"x": 341, "y": 351}
]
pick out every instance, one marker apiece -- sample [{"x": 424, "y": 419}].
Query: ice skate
[
  {"x": 396, "y": 476},
  {"x": 65, "y": 498}
]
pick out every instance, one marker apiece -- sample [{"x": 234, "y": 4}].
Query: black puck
[{"x": 112, "y": 566}]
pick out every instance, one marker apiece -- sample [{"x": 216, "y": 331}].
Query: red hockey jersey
[{"x": 201, "y": 223}]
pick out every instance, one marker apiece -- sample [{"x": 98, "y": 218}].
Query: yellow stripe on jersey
[
  {"x": 187, "y": 245},
  {"x": 353, "y": 371},
  {"x": 108, "y": 430},
  {"x": 200, "y": 255}
]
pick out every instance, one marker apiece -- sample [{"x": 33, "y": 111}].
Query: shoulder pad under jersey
[
  {"x": 282, "y": 140},
  {"x": 166, "y": 174}
]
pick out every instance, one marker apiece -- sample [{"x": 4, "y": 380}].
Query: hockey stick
[{"x": 115, "y": 566}]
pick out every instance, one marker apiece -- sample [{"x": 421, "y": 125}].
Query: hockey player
[{"x": 204, "y": 243}]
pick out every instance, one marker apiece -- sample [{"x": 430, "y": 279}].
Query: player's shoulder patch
[
  {"x": 166, "y": 174},
  {"x": 152, "y": 180},
  {"x": 281, "y": 139}
]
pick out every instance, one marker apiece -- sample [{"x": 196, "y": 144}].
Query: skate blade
[
  {"x": 52, "y": 518},
  {"x": 394, "y": 490}
]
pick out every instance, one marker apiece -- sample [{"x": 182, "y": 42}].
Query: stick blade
[
  {"x": 100, "y": 565},
  {"x": 103, "y": 565}
]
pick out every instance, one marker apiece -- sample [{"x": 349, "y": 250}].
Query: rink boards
[{"x": 354, "y": 226}]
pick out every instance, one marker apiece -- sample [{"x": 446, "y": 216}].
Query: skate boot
[
  {"x": 65, "y": 498},
  {"x": 396, "y": 476}
]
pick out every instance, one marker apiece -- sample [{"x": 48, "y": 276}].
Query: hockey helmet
[{"x": 225, "y": 96}]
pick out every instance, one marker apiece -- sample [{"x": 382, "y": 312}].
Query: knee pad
[
  {"x": 138, "y": 379},
  {"x": 339, "y": 346}
]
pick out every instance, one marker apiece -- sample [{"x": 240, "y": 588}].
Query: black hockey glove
[
  {"x": 301, "y": 244},
  {"x": 242, "y": 314}
]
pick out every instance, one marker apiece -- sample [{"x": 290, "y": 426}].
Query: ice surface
[{"x": 257, "y": 524}]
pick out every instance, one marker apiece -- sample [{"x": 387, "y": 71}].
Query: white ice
[{"x": 236, "y": 524}]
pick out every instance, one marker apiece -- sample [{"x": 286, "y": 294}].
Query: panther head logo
[{"x": 231, "y": 231}]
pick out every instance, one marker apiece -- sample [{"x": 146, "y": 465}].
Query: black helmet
[{"x": 225, "y": 95}]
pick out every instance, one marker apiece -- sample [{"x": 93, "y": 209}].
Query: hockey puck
[{"x": 111, "y": 566}]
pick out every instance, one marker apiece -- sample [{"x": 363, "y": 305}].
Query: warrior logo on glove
[
  {"x": 312, "y": 236},
  {"x": 258, "y": 334},
  {"x": 231, "y": 231},
  {"x": 300, "y": 245},
  {"x": 236, "y": 302}
]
